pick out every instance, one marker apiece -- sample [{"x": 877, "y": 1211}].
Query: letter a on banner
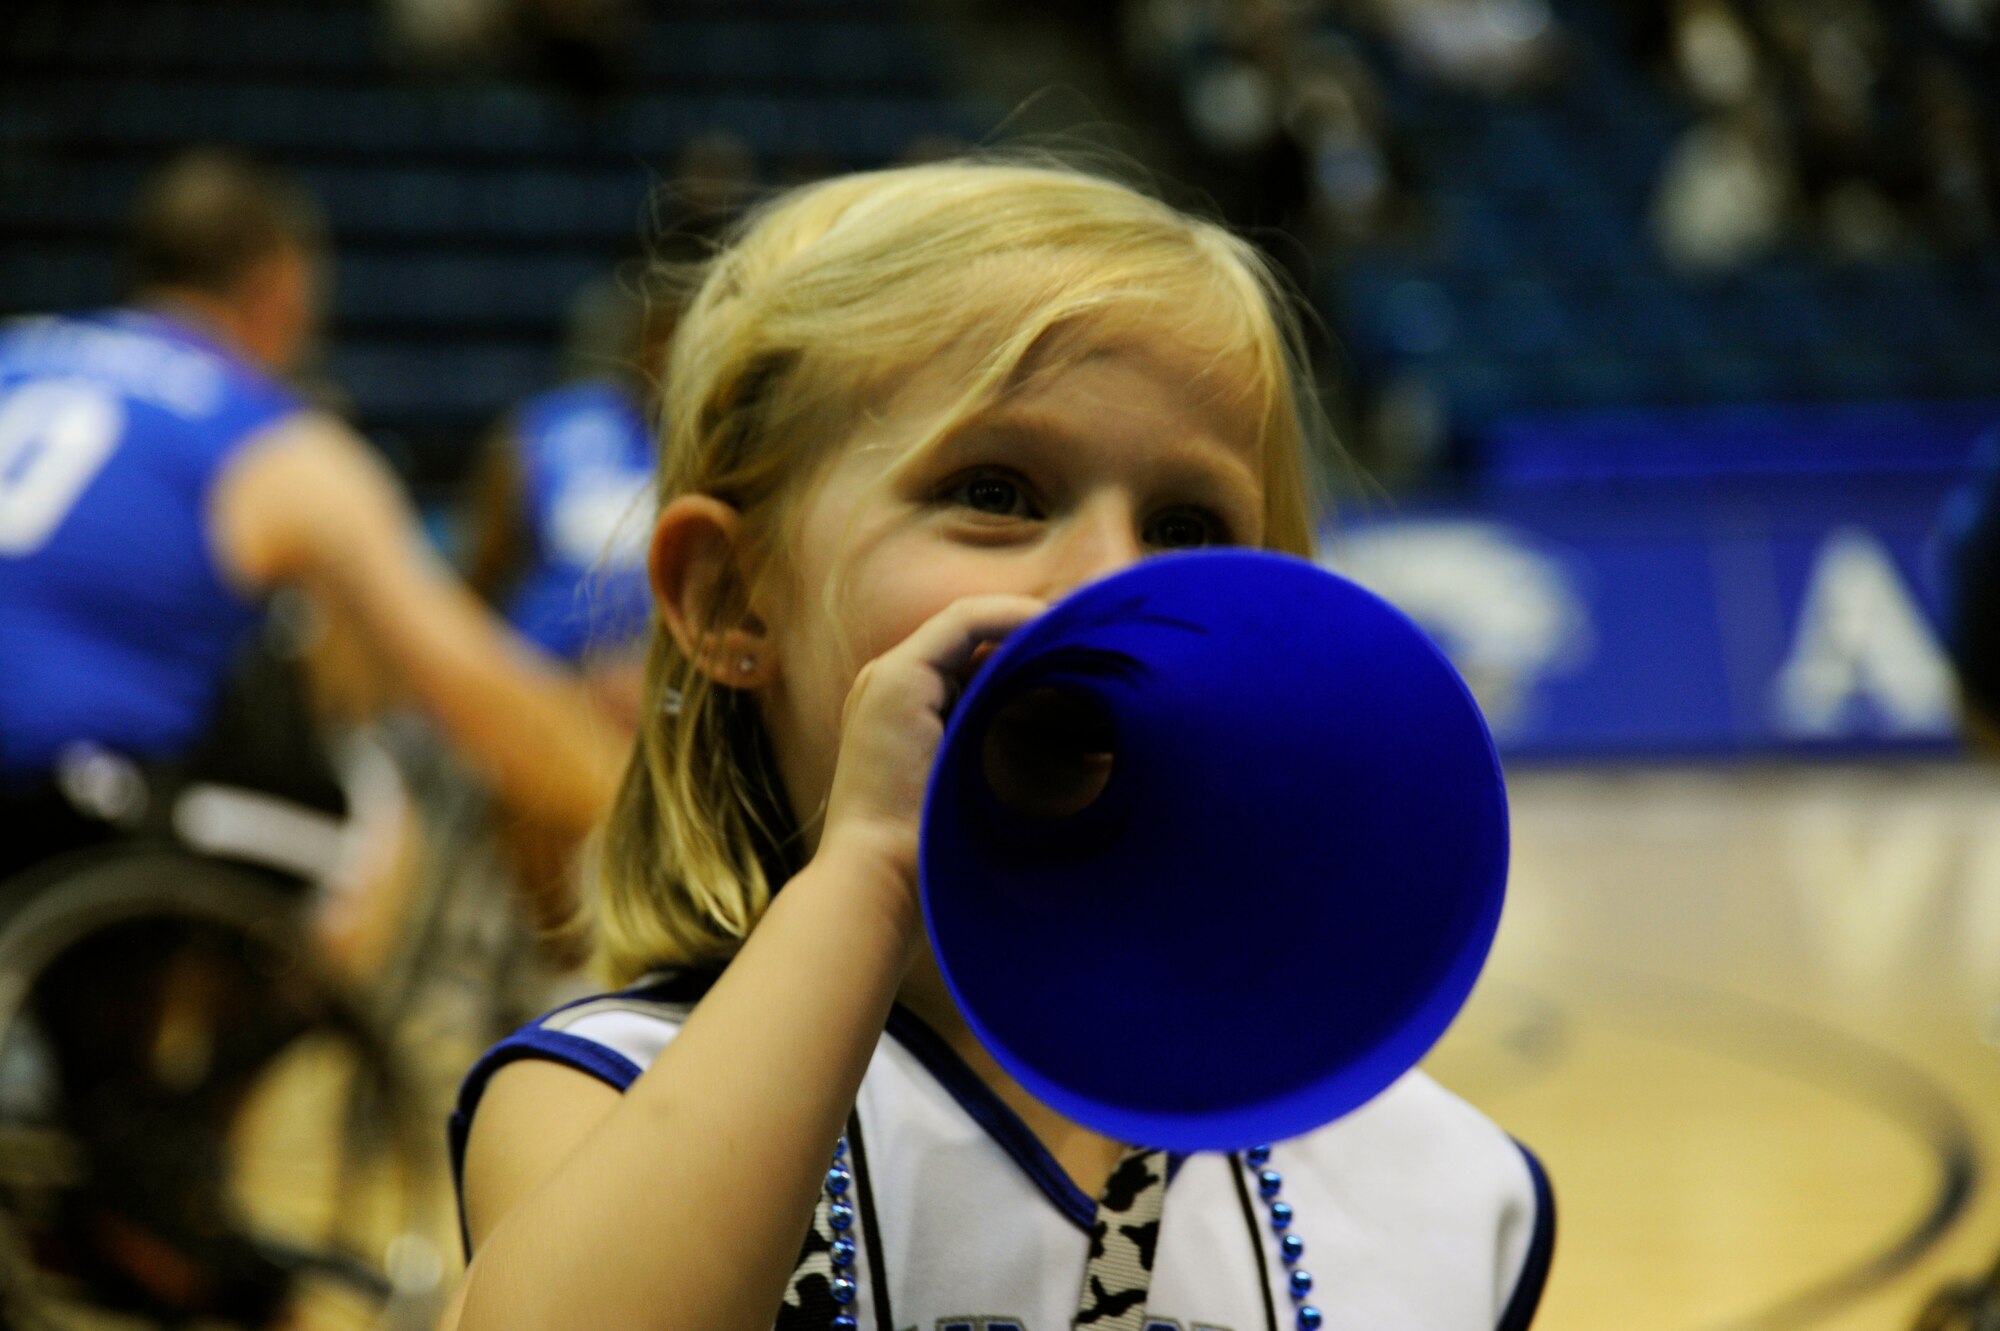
[{"x": 1864, "y": 659}]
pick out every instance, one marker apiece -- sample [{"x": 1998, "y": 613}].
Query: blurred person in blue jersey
[
  {"x": 159, "y": 484},
  {"x": 561, "y": 506},
  {"x": 559, "y": 520},
  {"x": 158, "y": 481},
  {"x": 1971, "y": 539}
]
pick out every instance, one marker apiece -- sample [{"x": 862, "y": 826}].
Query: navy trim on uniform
[
  {"x": 573, "y": 1051},
  {"x": 1527, "y": 1296},
  {"x": 990, "y": 1112}
]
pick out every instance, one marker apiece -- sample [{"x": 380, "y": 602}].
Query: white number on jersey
[{"x": 55, "y": 436}]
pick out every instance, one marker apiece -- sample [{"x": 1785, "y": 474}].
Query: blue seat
[
  {"x": 1648, "y": 314},
  {"x": 1730, "y": 376},
  {"x": 425, "y": 381},
  {"x": 1861, "y": 373},
  {"x": 460, "y": 291},
  {"x": 1474, "y": 231},
  {"x": 1609, "y": 380},
  {"x": 1524, "y": 316},
  {"x": 1520, "y": 146},
  {"x": 65, "y": 275},
  {"x": 1475, "y": 388}
]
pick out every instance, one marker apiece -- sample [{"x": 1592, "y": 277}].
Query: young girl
[{"x": 909, "y": 410}]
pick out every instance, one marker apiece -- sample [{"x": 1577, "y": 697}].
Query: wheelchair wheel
[{"x": 197, "y": 1126}]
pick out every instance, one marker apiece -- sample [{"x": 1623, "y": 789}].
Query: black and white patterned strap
[
  {"x": 1116, "y": 1280},
  {"x": 808, "y": 1304},
  {"x": 1119, "y": 1275}
]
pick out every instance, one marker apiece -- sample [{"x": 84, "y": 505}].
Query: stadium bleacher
[
  {"x": 466, "y": 208},
  {"x": 466, "y": 211},
  {"x": 1535, "y": 283}
]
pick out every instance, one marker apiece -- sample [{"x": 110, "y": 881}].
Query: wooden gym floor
[{"x": 1750, "y": 1019}]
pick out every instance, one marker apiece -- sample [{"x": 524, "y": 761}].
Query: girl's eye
[
  {"x": 1186, "y": 529},
  {"x": 994, "y": 493}
]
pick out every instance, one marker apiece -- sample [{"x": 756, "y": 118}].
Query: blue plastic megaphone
[{"x": 1214, "y": 850}]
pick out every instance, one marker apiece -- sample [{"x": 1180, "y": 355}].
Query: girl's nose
[{"x": 1097, "y": 541}]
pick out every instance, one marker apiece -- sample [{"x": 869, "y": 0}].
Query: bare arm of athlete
[
  {"x": 310, "y": 502},
  {"x": 496, "y": 525}
]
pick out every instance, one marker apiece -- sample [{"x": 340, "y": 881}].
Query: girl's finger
[{"x": 957, "y": 638}]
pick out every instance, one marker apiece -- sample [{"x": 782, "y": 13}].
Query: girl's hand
[{"x": 890, "y": 728}]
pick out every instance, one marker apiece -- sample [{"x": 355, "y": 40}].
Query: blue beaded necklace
[
  {"x": 840, "y": 1218},
  {"x": 1270, "y": 1183},
  {"x": 1290, "y": 1246}
]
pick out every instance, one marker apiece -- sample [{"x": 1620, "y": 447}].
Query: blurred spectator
[
  {"x": 585, "y": 48},
  {"x": 1287, "y": 120},
  {"x": 1960, "y": 161},
  {"x": 1968, "y": 20},
  {"x": 1713, "y": 53},
  {"x": 1725, "y": 195},
  {"x": 560, "y": 509},
  {"x": 1855, "y": 172},
  {"x": 714, "y": 180},
  {"x": 1727, "y": 191},
  {"x": 1822, "y": 122},
  {"x": 1363, "y": 187},
  {"x": 1487, "y": 46}
]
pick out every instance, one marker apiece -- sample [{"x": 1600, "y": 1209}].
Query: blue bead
[
  {"x": 1258, "y": 1155},
  {"x": 843, "y": 1252},
  {"x": 1309, "y": 1318},
  {"x": 840, "y": 1215},
  {"x": 1302, "y": 1283},
  {"x": 1269, "y": 1181},
  {"x": 843, "y": 1290},
  {"x": 839, "y": 1147},
  {"x": 1292, "y": 1248},
  {"x": 837, "y": 1180},
  {"x": 1281, "y": 1216},
  {"x": 844, "y": 1322}
]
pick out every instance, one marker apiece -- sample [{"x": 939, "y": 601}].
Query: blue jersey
[
  {"x": 116, "y": 624},
  {"x": 587, "y": 470}
]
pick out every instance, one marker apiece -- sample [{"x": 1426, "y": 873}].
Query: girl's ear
[{"x": 694, "y": 564}]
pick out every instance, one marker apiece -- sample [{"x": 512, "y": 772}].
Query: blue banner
[{"x": 1703, "y": 602}]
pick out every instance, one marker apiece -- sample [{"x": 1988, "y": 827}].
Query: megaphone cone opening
[
  {"x": 1282, "y": 889},
  {"x": 1049, "y": 752}
]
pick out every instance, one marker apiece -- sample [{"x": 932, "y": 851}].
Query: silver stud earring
[{"x": 747, "y": 666}]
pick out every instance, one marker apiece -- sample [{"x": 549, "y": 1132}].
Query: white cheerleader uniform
[{"x": 1417, "y": 1213}]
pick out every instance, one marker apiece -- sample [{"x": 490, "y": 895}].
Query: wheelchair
[
  {"x": 201, "y": 1126},
  {"x": 198, "y": 1126}
]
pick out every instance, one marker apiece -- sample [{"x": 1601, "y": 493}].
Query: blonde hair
[{"x": 824, "y": 301}]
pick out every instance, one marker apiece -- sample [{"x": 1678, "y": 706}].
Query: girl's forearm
[{"x": 686, "y": 1207}]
